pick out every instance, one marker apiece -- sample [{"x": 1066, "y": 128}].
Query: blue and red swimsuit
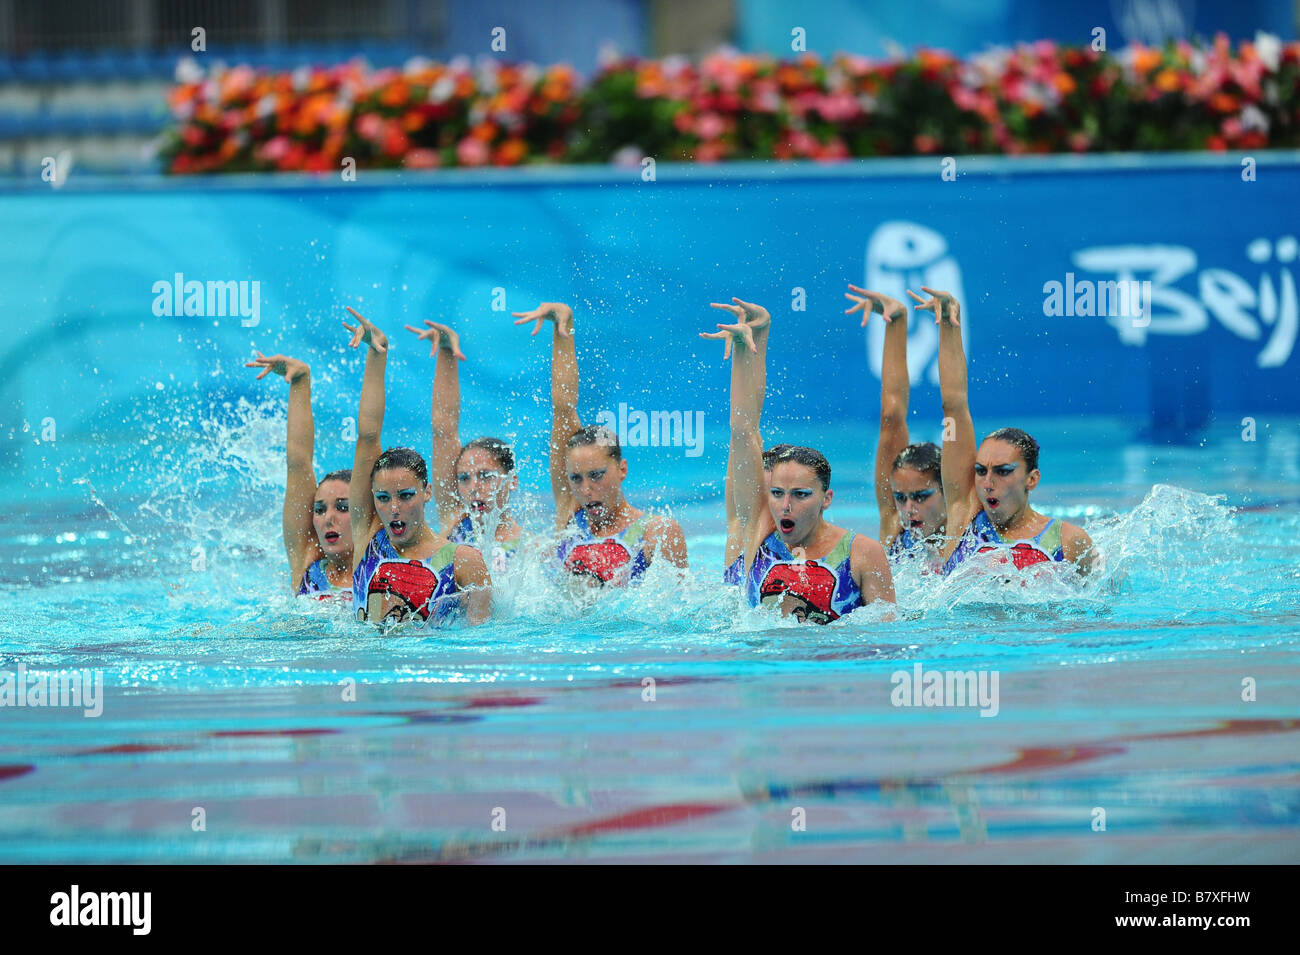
[
  {"x": 389, "y": 588},
  {"x": 983, "y": 538},
  {"x": 617, "y": 559},
  {"x": 824, "y": 589}
]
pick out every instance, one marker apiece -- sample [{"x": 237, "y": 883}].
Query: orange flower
[
  {"x": 396, "y": 94},
  {"x": 935, "y": 60},
  {"x": 1146, "y": 60},
  {"x": 484, "y": 132},
  {"x": 1168, "y": 81},
  {"x": 511, "y": 152},
  {"x": 1223, "y": 103},
  {"x": 745, "y": 67},
  {"x": 1064, "y": 83}
]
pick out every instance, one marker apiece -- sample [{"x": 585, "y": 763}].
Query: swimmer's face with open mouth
[
  {"x": 481, "y": 482},
  {"x": 796, "y": 500},
  {"x": 919, "y": 500},
  {"x": 400, "y": 497},
  {"x": 329, "y": 518},
  {"x": 595, "y": 479},
  {"x": 1002, "y": 481}
]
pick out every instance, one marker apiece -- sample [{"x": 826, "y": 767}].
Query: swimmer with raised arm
[
  {"x": 987, "y": 488},
  {"x": 604, "y": 539},
  {"x": 794, "y": 557},
  {"x": 404, "y": 570},
  {"x": 759, "y": 322},
  {"x": 472, "y": 482},
  {"x": 909, "y": 483},
  {"x": 317, "y": 537}
]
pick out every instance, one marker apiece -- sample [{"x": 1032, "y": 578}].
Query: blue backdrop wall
[{"x": 640, "y": 261}]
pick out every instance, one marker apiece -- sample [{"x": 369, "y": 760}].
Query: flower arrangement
[{"x": 1035, "y": 98}]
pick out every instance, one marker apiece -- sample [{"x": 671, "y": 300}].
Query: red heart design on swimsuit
[
  {"x": 810, "y": 582},
  {"x": 1022, "y": 555},
  {"x": 411, "y": 581},
  {"x": 601, "y": 560}
]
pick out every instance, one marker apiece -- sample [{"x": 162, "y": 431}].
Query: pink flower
[
  {"x": 628, "y": 157},
  {"x": 839, "y": 107},
  {"x": 472, "y": 152},
  {"x": 369, "y": 126},
  {"x": 804, "y": 143},
  {"x": 710, "y": 126},
  {"x": 275, "y": 149}
]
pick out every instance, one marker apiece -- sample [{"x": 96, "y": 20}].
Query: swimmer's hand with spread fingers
[
  {"x": 732, "y": 335},
  {"x": 874, "y": 303},
  {"x": 438, "y": 336},
  {"x": 750, "y": 327},
  {"x": 557, "y": 312},
  {"x": 364, "y": 332},
  {"x": 290, "y": 369},
  {"x": 943, "y": 304}
]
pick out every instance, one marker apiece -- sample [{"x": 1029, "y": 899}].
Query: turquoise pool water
[{"x": 294, "y": 735}]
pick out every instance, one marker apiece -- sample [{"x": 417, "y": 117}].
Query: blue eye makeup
[{"x": 918, "y": 496}]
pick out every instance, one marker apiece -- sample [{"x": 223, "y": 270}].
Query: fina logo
[{"x": 902, "y": 256}]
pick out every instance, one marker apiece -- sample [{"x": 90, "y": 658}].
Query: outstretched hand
[
  {"x": 755, "y": 316},
  {"x": 730, "y": 334},
  {"x": 365, "y": 332},
  {"x": 943, "y": 305},
  {"x": 556, "y": 312},
  {"x": 749, "y": 319},
  {"x": 439, "y": 336},
  {"x": 874, "y": 302},
  {"x": 290, "y": 368}
]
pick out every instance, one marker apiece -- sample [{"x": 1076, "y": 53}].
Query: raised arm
[
  {"x": 445, "y": 345},
  {"x": 564, "y": 397},
  {"x": 745, "y": 341},
  {"x": 735, "y": 538},
  {"x": 958, "y": 460},
  {"x": 370, "y": 423},
  {"x": 300, "y": 542},
  {"x": 895, "y": 388}
]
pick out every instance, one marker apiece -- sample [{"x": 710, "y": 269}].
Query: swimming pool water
[{"x": 534, "y": 738}]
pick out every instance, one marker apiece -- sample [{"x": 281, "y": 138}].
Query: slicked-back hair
[
  {"x": 502, "y": 453},
  {"x": 1026, "y": 445},
  {"x": 810, "y": 458},
  {"x": 401, "y": 458},
  {"x": 599, "y": 436},
  {"x": 926, "y": 458}
]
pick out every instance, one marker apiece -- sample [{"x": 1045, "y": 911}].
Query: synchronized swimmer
[{"x": 360, "y": 534}]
